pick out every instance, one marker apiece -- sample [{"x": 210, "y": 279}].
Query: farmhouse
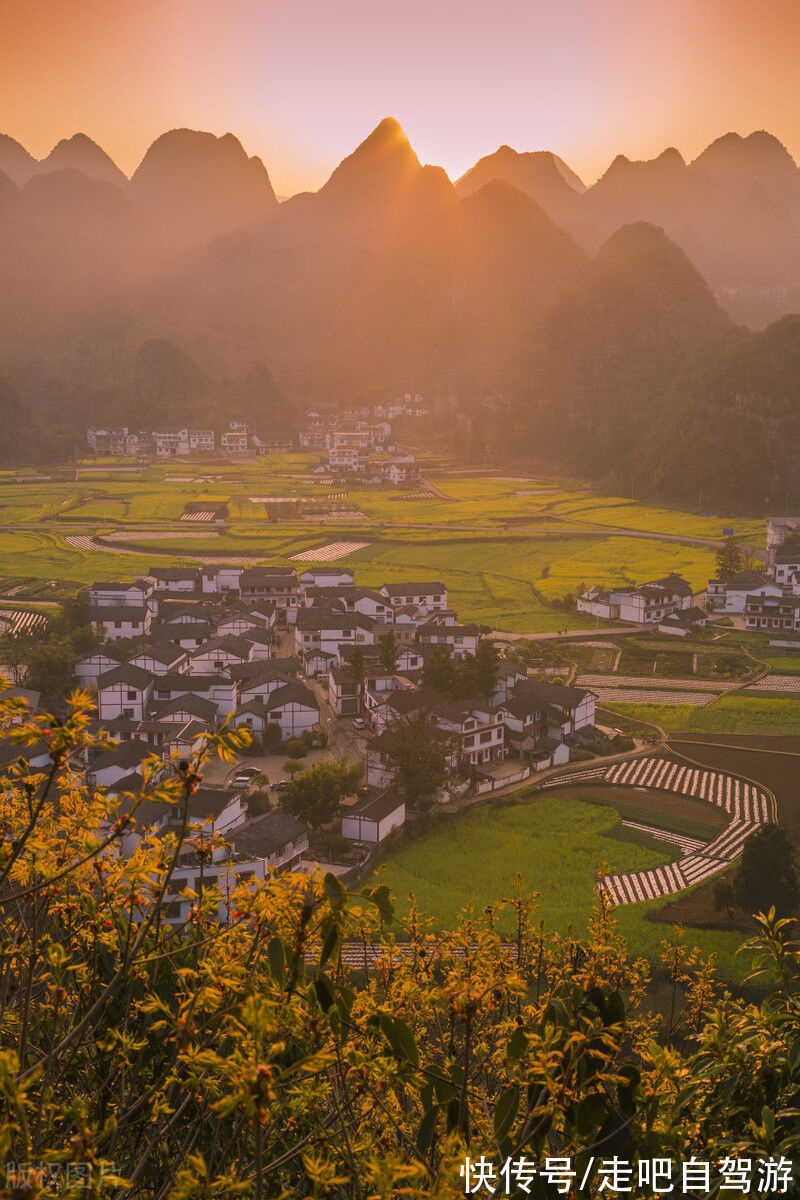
[
  {"x": 124, "y": 692},
  {"x": 428, "y": 597},
  {"x": 646, "y": 604},
  {"x": 325, "y": 577},
  {"x": 277, "y": 839},
  {"x": 125, "y": 621},
  {"x": 730, "y": 595},
  {"x": 373, "y": 817}
]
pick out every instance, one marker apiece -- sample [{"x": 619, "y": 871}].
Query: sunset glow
[{"x": 302, "y": 84}]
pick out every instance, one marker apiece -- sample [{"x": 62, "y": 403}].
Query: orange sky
[{"x": 301, "y": 83}]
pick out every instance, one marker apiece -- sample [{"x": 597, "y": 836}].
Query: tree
[
  {"x": 439, "y": 672},
  {"x": 292, "y": 766},
  {"x": 767, "y": 876},
  {"x": 356, "y": 669},
  {"x": 723, "y": 895},
  {"x": 486, "y": 669},
  {"x": 728, "y": 559},
  {"x": 272, "y": 738},
  {"x": 314, "y": 796},
  {"x": 296, "y": 747},
  {"x": 51, "y": 669},
  {"x": 14, "y": 649},
  {"x": 416, "y": 754},
  {"x": 389, "y": 651}
]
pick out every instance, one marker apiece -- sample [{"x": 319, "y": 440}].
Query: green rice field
[{"x": 557, "y": 844}]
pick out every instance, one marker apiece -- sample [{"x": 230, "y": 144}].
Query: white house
[
  {"x": 329, "y": 631},
  {"x": 124, "y": 692},
  {"x": 220, "y": 580},
  {"x": 730, "y": 595},
  {"x": 176, "y": 580},
  {"x": 294, "y": 707},
  {"x": 223, "y": 693},
  {"x": 327, "y": 577},
  {"x": 428, "y": 597},
  {"x": 459, "y": 639},
  {"x": 117, "y": 764},
  {"x": 652, "y": 601},
  {"x": 89, "y": 670},
  {"x": 478, "y": 730},
  {"x": 218, "y": 654},
  {"x": 373, "y": 818},
  {"x": 134, "y": 594},
  {"x": 123, "y": 621},
  {"x": 161, "y": 658}
]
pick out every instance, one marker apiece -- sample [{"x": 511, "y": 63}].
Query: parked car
[
  {"x": 241, "y": 780},
  {"x": 281, "y": 785}
]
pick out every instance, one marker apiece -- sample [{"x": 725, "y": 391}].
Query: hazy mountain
[
  {"x": 451, "y": 298},
  {"x": 737, "y": 441},
  {"x": 196, "y": 185},
  {"x": 542, "y": 175},
  {"x": 9, "y": 193},
  {"x": 191, "y": 292},
  {"x": 22, "y": 439},
  {"x": 370, "y": 197},
  {"x": 651, "y": 190},
  {"x": 735, "y": 210},
  {"x": 620, "y": 352},
  {"x": 15, "y": 161},
  {"x": 759, "y": 160},
  {"x": 80, "y": 153}
]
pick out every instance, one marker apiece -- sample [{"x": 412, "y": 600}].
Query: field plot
[
  {"x": 738, "y": 713},
  {"x": 771, "y": 760},
  {"x": 329, "y": 553},
  {"x": 557, "y": 844}
]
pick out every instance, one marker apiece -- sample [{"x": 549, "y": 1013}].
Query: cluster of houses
[
  {"x": 236, "y": 440},
  {"x": 665, "y": 603},
  {"x": 360, "y": 451},
  {"x": 767, "y": 599},
  {"x": 186, "y": 649}
]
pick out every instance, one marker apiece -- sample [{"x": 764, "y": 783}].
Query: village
[
  {"x": 357, "y": 441},
  {"x": 309, "y": 664}
]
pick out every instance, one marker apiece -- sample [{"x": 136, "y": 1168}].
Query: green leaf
[
  {"x": 625, "y": 1091},
  {"x": 334, "y": 890},
  {"x": 324, "y": 992},
  {"x": 426, "y": 1131},
  {"x": 794, "y": 1057},
  {"x": 443, "y": 1089},
  {"x": 517, "y": 1044},
  {"x": 590, "y": 1112},
  {"x": 768, "y": 1121},
  {"x": 614, "y": 1013},
  {"x": 506, "y": 1111},
  {"x": 401, "y": 1040},
  {"x": 276, "y": 959},
  {"x": 330, "y": 944},
  {"x": 380, "y": 897}
]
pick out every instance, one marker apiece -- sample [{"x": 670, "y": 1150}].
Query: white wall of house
[
  {"x": 123, "y": 700},
  {"x": 294, "y": 718},
  {"x": 366, "y": 829}
]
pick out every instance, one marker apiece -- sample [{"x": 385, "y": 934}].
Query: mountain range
[{"x": 588, "y": 307}]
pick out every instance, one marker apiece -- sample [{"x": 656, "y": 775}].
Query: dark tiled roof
[
  {"x": 136, "y": 677},
  {"x": 266, "y": 835}
]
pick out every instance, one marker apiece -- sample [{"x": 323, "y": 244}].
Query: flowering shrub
[{"x": 309, "y": 1047}]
